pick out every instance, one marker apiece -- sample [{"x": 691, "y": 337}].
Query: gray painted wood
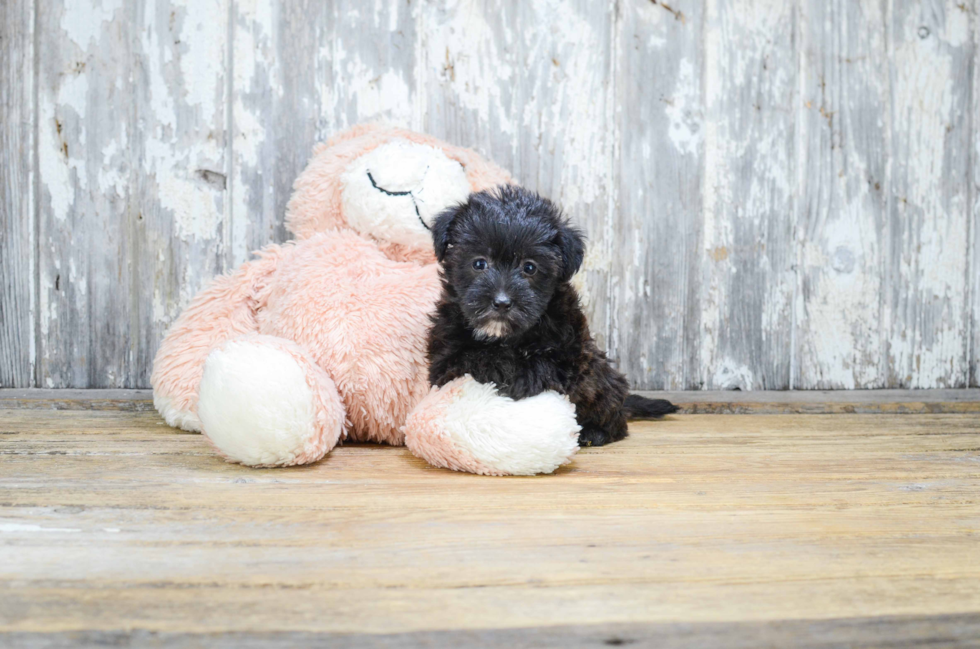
[
  {"x": 778, "y": 194},
  {"x": 927, "y": 273},
  {"x": 85, "y": 190},
  {"x": 131, "y": 153},
  {"x": 653, "y": 256},
  {"x": 840, "y": 329},
  {"x": 974, "y": 207},
  {"x": 275, "y": 112},
  {"x": 749, "y": 191},
  {"x": 17, "y": 237}
]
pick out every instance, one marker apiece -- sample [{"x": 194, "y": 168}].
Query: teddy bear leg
[
  {"x": 467, "y": 426},
  {"x": 223, "y": 311},
  {"x": 264, "y": 402}
]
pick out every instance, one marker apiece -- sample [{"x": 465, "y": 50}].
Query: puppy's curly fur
[{"x": 509, "y": 316}]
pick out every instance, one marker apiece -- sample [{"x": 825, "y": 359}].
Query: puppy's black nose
[{"x": 501, "y": 302}]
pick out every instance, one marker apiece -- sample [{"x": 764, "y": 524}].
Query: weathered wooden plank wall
[
  {"x": 778, "y": 193},
  {"x": 17, "y": 228}
]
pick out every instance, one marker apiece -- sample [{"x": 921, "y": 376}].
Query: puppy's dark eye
[
  {"x": 530, "y": 268},
  {"x": 480, "y": 264}
]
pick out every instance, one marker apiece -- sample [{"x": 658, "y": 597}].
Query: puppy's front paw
[
  {"x": 589, "y": 437},
  {"x": 467, "y": 426}
]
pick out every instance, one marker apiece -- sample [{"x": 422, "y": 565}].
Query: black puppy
[{"x": 508, "y": 314}]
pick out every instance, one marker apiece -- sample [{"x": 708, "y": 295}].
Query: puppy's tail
[{"x": 637, "y": 407}]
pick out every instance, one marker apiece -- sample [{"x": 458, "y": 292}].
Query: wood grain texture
[
  {"x": 85, "y": 127},
  {"x": 112, "y": 522},
  {"x": 777, "y": 193},
  {"x": 840, "y": 330},
  {"x": 17, "y": 223},
  {"x": 180, "y": 155},
  {"x": 927, "y": 273},
  {"x": 655, "y": 234},
  {"x": 898, "y": 632},
  {"x": 974, "y": 267},
  {"x": 278, "y": 63},
  {"x": 132, "y": 163},
  {"x": 750, "y": 181}
]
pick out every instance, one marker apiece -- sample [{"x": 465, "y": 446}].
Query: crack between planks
[
  {"x": 702, "y": 378},
  {"x": 794, "y": 353},
  {"x": 35, "y": 198},
  {"x": 972, "y": 278}
]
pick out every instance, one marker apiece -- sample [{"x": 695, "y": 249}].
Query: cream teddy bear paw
[
  {"x": 467, "y": 426},
  {"x": 264, "y": 402}
]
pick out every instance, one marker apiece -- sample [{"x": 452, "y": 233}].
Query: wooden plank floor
[{"x": 724, "y": 530}]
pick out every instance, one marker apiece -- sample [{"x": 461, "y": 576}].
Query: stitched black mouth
[{"x": 408, "y": 193}]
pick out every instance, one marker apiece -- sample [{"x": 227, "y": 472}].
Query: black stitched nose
[{"x": 501, "y": 302}]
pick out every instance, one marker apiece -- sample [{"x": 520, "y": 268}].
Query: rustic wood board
[
  {"x": 652, "y": 247},
  {"x": 131, "y": 196},
  {"x": 750, "y": 183},
  {"x": 842, "y": 219},
  {"x": 931, "y": 55},
  {"x": 113, "y": 523},
  {"x": 17, "y": 219},
  {"x": 895, "y": 632}
]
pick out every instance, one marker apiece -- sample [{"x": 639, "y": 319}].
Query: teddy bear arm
[
  {"x": 467, "y": 426},
  {"x": 226, "y": 309}
]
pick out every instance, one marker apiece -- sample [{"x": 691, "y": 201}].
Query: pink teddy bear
[{"x": 323, "y": 338}]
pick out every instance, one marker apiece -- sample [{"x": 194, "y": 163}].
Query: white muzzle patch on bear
[{"x": 394, "y": 192}]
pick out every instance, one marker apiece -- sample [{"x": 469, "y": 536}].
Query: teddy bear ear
[{"x": 442, "y": 229}]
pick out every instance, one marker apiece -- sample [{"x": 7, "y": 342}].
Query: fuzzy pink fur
[
  {"x": 362, "y": 316},
  {"x": 224, "y": 310},
  {"x": 425, "y": 435},
  {"x": 358, "y": 308}
]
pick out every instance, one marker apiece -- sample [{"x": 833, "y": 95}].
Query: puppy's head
[{"x": 504, "y": 252}]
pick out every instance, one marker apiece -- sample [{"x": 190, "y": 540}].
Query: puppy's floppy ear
[
  {"x": 442, "y": 229},
  {"x": 571, "y": 244}
]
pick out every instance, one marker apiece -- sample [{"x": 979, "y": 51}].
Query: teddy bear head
[{"x": 387, "y": 184}]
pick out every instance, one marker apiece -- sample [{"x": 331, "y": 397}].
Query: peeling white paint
[
  {"x": 181, "y": 98},
  {"x": 748, "y": 193},
  {"x": 83, "y": 22},
  {"x": 933, "y": 217},
  {"x": 195, "y": 213},
  {"x": 113, "y": 171},
  {"x": 684, "y": 110},
  {"x": 62, "y": 119},
  {"x": 203, "y": 36},
  {"x": 257, "y": 74},
  {"x": 465, "y": 56},
  {"x": 729, "y": 374},
  {"x": 840, "y": 321},
  {"x": 53, "y": 165}
]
